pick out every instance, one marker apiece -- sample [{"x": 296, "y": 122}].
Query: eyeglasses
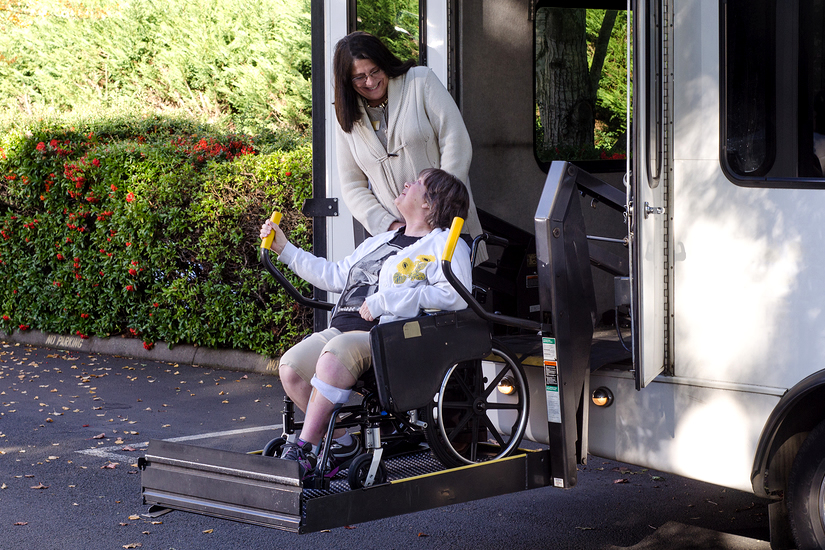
[{"x": 360, "y": 79}]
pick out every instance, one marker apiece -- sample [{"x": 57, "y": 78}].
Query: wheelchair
[{"x": 439, "y": 381}]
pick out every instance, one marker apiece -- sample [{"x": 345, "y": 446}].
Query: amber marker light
[
  {"x": 507, "y": 386},
  {"x": 602, "y": 397}
]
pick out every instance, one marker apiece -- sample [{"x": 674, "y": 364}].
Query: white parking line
[{"x": 112, "y": 454}]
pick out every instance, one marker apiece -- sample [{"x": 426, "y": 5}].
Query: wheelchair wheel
[
  {"x": 360, "y": 468},
  {"x": 470, "y": 421},
  {"x": 273, "y": 448}
]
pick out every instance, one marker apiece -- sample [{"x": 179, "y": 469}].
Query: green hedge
[{"x": 149, "y": 228}]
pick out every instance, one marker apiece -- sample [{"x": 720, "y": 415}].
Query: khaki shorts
[{"x": 351, "y": 348}]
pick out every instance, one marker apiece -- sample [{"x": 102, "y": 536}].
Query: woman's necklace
[
  {"x": 382, "y": 104},
  {"x": 377, "y": 113}
]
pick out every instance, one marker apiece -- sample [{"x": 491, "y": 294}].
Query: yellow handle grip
[
  {"x": 452, "y": 238},
  {"x": 266, "y": 242}
]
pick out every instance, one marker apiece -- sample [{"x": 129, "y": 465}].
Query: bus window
[
  {"x": 580, "y": 83},
  {"x": 396, "y": 22},
  {"x": 773, "y": 86}
]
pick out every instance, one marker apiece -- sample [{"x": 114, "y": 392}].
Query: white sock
[
  {"x": 345, "y": 439},
  {"x": 292, "y": 438}
]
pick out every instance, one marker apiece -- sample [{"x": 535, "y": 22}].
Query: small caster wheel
[
  {"x": 273, "y": 448},
  {"x": 360, "y": 468}
]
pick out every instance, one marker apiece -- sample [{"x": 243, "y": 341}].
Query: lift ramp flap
[{"x": 267, "y": 491}]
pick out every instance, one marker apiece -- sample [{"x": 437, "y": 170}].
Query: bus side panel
[
  {"x": 748, "y": 267},
  {"x": 703, "y": 433}
]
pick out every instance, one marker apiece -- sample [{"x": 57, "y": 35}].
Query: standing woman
[{"x": 395, "y": 119}]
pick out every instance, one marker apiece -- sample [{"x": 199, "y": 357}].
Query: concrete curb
[{"x": 236, "y": 360}]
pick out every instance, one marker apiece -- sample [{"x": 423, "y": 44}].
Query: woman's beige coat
[{"x": 424, "y": 130}]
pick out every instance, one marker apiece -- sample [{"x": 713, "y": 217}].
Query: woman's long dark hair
[{"x": 359, "y": 45}]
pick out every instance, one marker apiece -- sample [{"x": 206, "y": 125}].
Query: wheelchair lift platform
[{"x": 266, "y": 491}]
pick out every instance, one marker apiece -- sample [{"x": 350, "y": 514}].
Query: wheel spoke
[
  {"x": 459, "y": 380},
  {"x": 456, "y": 430},
  {"x": 456, "y": 405},
  {"x": 503, "y": 406},
  {"x": 492, "y": 429},
  {"x": 494, "y": 383},
  {"x": 474, "y": 440}
]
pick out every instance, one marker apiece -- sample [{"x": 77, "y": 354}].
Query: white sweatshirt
[{"x": 409, "y": 281}]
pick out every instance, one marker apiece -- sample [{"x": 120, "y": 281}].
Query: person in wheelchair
[{"x": 393, "y": 275}]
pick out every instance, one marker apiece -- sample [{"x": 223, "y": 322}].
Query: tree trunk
[{"x": 565, "y": 86}]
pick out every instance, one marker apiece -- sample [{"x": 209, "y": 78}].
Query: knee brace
[{"x": 334, "y": 395}]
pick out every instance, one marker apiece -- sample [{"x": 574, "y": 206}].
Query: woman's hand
[
  {"x": 280, "y": 240},
  {"x": 365, "y": 312}
]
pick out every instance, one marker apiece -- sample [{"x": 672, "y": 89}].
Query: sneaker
[
  {"x": 304, "y": 456},
  {"x": 341, "y": 456}
]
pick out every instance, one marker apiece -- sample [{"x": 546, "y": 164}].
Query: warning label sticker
[
  {"x": 551, "y": 380},
  {"x": 548, "y": 348}
]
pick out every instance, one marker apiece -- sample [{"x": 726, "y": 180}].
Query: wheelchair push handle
[
  {"x": 293, "y": 292},
  {"x": 452, "y": 239},
  {"x": 266, "y": 242},
  {"x": 447, "y": 268}
]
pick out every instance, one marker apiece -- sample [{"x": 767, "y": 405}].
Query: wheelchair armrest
[{"x": 290, "y": 289}]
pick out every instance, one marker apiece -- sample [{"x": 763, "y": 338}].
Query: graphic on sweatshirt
[{"x": 413, "y": 270}]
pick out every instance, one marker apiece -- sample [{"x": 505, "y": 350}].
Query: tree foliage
[
  {"x": 395, "y": 22},
  {"x": 247, "y": 60}
]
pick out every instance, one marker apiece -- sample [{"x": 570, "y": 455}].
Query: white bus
[{"x": 701, "y": 193}]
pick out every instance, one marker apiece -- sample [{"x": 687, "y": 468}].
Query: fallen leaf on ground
[
  {"x": 109, "y": 466},
  {"x": 22, "y": 523},
  {"x": 208, "y": 531},
  {"x": 423, "y": 535},
  {"x": 99, "y": 436},
  {"x": 40, "y": 486},
  {"x": 134, "y": 517},
  {"x": 133, "y": 545},
  {"x": 128, "y": 448},
  {"x": 623, "y": 480}
]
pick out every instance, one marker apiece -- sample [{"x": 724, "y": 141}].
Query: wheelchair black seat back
[{"x": 433, "y": 383}]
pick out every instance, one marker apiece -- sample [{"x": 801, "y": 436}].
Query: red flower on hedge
[
  {"x": 148, "y": 345},
  {"x": 130, "y": 288},
  {"x": 132, "y": 272},
  {"x": 95, "y": 162},
  {"x": 24, "y": 327},
  {"x": 40, "y": 146},
  {"x": 5, "y": 317},
  {"x": 130, "y": 197}
]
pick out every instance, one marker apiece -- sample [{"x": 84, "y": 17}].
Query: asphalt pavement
[{"x": 73, "y": 423}]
